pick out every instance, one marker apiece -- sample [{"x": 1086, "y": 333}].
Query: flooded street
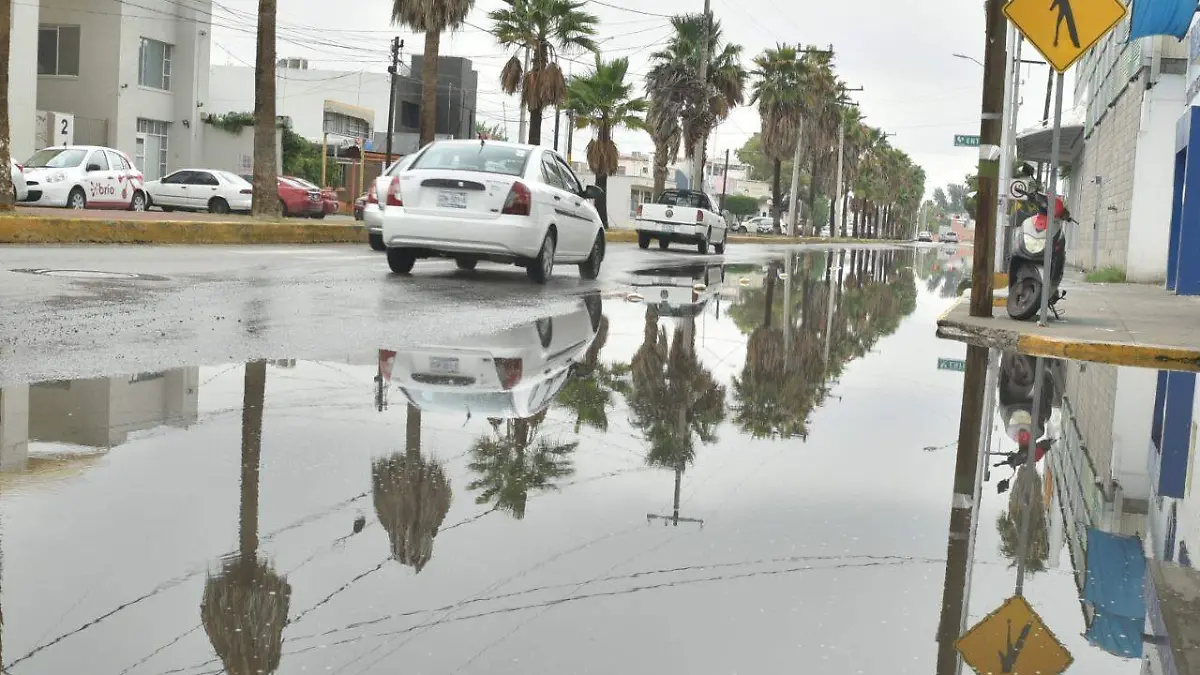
[{"x": 658, "y": 478}]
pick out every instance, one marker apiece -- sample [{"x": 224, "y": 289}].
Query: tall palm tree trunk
[
  {"x": 772, "y": 276},
  {"x": 535, "y": 113},
  {"x": 412, "y": 431},
  {"x": 602, "y": 204},
  {"x": 429, "y": 86},
  {"x": 776, "y": 188},
  {"x": 660, "y": 169},
  {"x": 813, "y": 227},
  {"x": 265, "y": 200},
  {"x": 253, "y": 397},
  {"x": 6, "y": 188},
  {"x": 845, "y": 203}
]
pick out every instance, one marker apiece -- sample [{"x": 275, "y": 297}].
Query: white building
[{"x": 133, "y": 77}]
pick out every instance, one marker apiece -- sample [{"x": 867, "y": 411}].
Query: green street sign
[
  {"x": 956, "y": 365},
  {"x": 966, "y": 141}
]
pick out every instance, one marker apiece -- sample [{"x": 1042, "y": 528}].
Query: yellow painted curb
[
  {"x": 1117, "y": 354},
  {"x": 41, "y": 230},
  {"x": 1000, "y": 280},
  {"x": 630, "y": 236},
  {"x": 999, "y": 301},
  {"x": 961, "y": 299}
]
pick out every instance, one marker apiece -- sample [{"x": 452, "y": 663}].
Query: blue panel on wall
[{"x": 1176, "y": 433}]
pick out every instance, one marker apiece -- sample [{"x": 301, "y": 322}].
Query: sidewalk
[{"x": 1121, "y": 324}]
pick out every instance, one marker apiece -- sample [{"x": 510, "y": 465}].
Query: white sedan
[
  {"x": 372, "y": 215},
  {"x": 84, "y": 176},
  {"x": 490, "y": 200},
  {"x": 201, "y": 190}
]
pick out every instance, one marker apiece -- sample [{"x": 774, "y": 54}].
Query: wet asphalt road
[
  {"x": 210, "y": 304},
  {"x": 624, "y": 486}
]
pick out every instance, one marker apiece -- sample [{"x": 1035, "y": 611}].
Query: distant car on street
[
  {"x": 682, "y": 216},
  {"x": 761, "y": 225},
  {"x": 84, "y": 176},
  {"x": 329, "y": 200},
  {"x": 200, "y": 190},
  {"x": 299, "y": 200},
  {"x": 925, "y": 236},
  {"x": 950, "y": 237}
]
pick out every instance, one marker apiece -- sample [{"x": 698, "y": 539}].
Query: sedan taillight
[
  {"x": 509, "y": 371},
  {"x": 247, "y": 191},
  {"x": 519, "y": 201},
  {"x": 699, "y": 216},
  {"x": 393, "y": 195}
]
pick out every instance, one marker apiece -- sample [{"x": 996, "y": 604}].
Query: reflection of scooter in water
[{"x": 1016, "y": 384}]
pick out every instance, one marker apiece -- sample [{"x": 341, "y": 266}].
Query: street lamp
[{"x": 968, "y": 58}]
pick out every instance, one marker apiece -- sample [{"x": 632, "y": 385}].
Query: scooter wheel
[{"x": 1024, "y": 298}]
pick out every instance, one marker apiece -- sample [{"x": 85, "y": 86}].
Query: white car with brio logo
[
  {"x": 473, "y": 200},
  {"x": 84, "y": 176},
  {"x": 20, "y": 190}
]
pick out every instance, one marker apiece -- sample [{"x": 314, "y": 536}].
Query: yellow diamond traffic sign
[
  {"x": 1013, "y": 639},
  {"x": 1062, "y": 30}
]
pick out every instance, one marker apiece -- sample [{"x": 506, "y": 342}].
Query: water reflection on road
[{"x": 719, "y": 469}]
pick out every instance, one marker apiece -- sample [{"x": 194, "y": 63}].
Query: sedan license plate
[
  {"x": 443, "y": 366},
  {"x": 452, "y": 200}
]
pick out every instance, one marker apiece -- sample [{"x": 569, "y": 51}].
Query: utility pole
[
  {"x": 836, "y": 205},
  {"x": 725, "y": 182},
  {"x": 393, "y": 70},
  {"x": 705, "y": 55},
  {"x": 990, "y": 126},
  {"x": 1012, "y": 96},
  {"x": 570, "y": 133},
  {"x": 557, "y": 117},
  {"x": 523, "y": 126}
]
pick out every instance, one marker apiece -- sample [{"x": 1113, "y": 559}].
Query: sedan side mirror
[
  {"x": 593, "y": 193},
  {"x": 93, "y": 167}
]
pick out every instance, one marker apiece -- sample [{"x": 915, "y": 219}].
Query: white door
[
  {"x": 201, "y": 189},
  {"x": 583, "y": 225},
  {"x": 101, "y": 181},
  {"x": 121, "y": 172},
  {"x": 169, "y": 192}
]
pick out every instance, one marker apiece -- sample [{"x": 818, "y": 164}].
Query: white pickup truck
[{"x": 682, "y": 216}]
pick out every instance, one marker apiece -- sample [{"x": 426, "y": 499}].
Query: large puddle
[{"x": 667, "y": 479}]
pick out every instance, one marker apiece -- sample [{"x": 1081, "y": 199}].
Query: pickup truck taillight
[
  {"x": 509, "y": 371},
  {"x": 639, "y": 211},
  {"x": 699, "y": 216},
  {"x": 519, "y": 200},
  {"x": 393, "y": 195}
]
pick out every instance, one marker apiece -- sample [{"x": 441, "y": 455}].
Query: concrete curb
[
  {"x": 20, "y": 229},
  {"x": 25, "y": 229},
  {"x": 1098, "y": 351}
]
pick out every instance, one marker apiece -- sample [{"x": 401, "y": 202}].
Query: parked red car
[
  {"x": 329, "y": 200},
  {"x": 298, "y": 200}
]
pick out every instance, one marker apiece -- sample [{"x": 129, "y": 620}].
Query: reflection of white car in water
[
  {"x": 511, "y": 374},
  {"x": 680, "y": 291}
]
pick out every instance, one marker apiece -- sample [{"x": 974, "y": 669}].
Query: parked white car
[
  {"x": 85, "y": 176},
  {"x": 372, "y": 214},
  {"x": 200, "y": 190},
  {"x": 20, "y": 189},
  {"x": 682, "y": 216},
  {"x": 515, "y": 373},
  {"x": 491, "y": 200}
]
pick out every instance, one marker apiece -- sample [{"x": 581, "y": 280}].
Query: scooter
[{"x": 1025, "y": 274}]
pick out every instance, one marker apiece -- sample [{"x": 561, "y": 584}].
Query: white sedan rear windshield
[
  {"x": 485, "y": 157},
  {"x": 56, "y": 158}
]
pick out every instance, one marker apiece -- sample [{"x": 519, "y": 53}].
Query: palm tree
[
  {"x": 778, "y": 91},
  {"x": 820, "y": 95},
  {"x": 675, "y": 87},
  {"x": 589, "y": 392},
  {"x": 245, "y": 604},
  {"x": 662, "y": 122},
  {"x": 6, "y": 188},
  {"x": 411, "y": 495},
  {"x": 265, "y": 200},
  {"x": 542, "y": 29},
  {"x": 514, "y": 461},
  {"x": 603, "y": 100},
  {"x": 431, "y": 17}
]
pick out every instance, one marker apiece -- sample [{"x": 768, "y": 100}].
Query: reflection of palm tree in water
[{"x": 1064, "y": 15}]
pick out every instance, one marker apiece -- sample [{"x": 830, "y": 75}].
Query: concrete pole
[
  {"x": 837, "y": 187},
  {"x": 705, "y": 55},
  {"x": 523, "y": 126},
  {"x": 324, "y": 154},
  {"x": 1008, "y": 143},
  {"x": 794, "y": 203},
  {"x": 1039, "y": 390},
  {"x": 1051, "y": 199}
]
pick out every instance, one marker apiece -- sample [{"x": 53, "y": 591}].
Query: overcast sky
[{"x": 900, "y": 53}]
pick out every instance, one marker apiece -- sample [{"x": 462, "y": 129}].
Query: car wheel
[
  {"x": 702, "y": 245},
  {"x": 540, "y": 268},
  {"x": 595, "y": 309},
  {"x": 720, "y": 248},
  {"x": 138, "y": 203},
  {"x": 643, "y": 241},
  {"x": 545, "y": 331},
  {"x": 218, "y": 205},
  {"x": 376, "y": 241},
  {"x": 664, "y": 244},
  {"x": 283, "y": 211},
  {"x": 466, "y": 263},
  {"x": 401, "y": 260},
  {"x": 77, "y": 200},
  {"x": 590, "y": 269},
  {"x": 317, "y": 216}
]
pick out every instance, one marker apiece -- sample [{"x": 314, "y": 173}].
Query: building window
[
  {"x": 154, "y": 64},
  {"x": 58, "y": 50},
  {"x": 151, "y": 154}
]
